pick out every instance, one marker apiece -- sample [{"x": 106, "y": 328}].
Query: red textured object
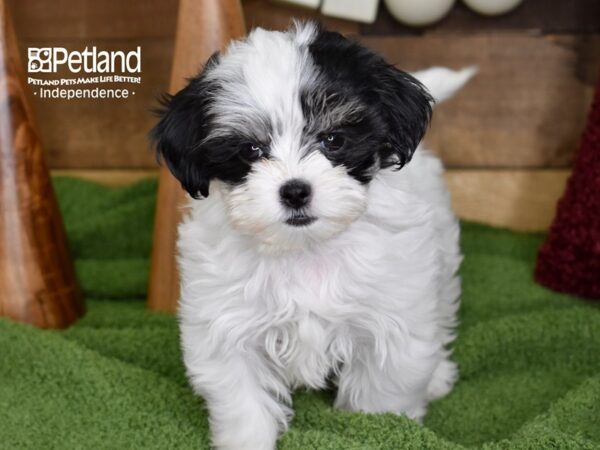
[{"x": 569, "y": 260}]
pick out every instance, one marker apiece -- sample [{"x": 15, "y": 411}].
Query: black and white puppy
[{"x": 306, "y": 255}]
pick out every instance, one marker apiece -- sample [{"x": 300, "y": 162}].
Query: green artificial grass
[{"x": 529, "y": 358}]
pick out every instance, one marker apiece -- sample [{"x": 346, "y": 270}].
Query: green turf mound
[{"x": 529, "y": 358}]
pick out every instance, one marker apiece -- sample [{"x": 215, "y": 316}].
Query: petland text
[{"x": 50, "y": 59}]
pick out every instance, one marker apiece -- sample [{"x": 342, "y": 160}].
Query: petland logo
[
  {"x": 92, "y": 66},
  {"x": 49, "y": 59}
]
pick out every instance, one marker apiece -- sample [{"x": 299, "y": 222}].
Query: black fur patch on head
[
  {"x": 329, "y": 113},
  {"x": 379, "y": 112},
  {"x": 181, "y": 138},
  {"x": 397, "y": 108}
]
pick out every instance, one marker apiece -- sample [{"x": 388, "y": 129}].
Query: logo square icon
[{"x": 39, "y": 60}]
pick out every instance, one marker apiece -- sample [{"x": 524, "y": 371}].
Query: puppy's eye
[
  {"x": 251, "y": 152},
  {"x": 332, "y": 141}
]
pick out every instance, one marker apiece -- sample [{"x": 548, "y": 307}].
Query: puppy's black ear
[
  {"x": 401, "y": 103},
  {"x": 182, "y": 127},
  {"x": 406, "y": 107}
]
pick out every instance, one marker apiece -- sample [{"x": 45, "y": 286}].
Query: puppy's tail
[{"x": 443, "y": 83}]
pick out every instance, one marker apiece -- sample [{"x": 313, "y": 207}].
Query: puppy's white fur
[{"x": 367, "y": 294}]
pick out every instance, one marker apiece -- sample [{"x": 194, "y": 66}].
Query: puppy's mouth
[{"x": 300, "y": 220}]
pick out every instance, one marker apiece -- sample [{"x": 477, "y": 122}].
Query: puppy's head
[{"x": 290, "y": 128}]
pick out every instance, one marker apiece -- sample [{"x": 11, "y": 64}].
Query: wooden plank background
[{"x": 525, "y": 109}]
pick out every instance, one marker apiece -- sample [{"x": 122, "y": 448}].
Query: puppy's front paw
[
  {"x": 248, "y": 433},
  {"x": 443, "y": 379},
  {"x": 235, "y": 441},
  {"x": 243, "y": 443}
]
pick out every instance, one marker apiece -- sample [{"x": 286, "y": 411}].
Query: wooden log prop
[
  {"x": 203, "y": 27},
  {"x": 37, "y": 279}
]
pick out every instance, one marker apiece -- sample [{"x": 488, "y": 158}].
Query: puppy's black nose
[{"x": 295, "y": 193}]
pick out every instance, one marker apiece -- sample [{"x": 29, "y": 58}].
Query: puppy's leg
[
  {"x": 396, "y": 383},
  {"x": 238, "y": 389},
  {"x": 443, "y": 379}
]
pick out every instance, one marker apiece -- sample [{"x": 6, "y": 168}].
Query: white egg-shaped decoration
[
  {"x": 492, "y": 7},
  {"x": 419, "y": 12}
]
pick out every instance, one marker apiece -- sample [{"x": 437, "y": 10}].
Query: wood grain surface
[
  {"x": 278, "y": 16},
  {"x": 88, "y": 20},
  {"x": 526, "y": 107},
  {"x": 37, "y": 280},
  {"x": 521, "y": 200},
  {"x": 538, "y": 65}
]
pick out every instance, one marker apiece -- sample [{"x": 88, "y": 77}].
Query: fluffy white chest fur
[
  {"x": 374, "y": 307},
  {"x": 306, "y": 256}
]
